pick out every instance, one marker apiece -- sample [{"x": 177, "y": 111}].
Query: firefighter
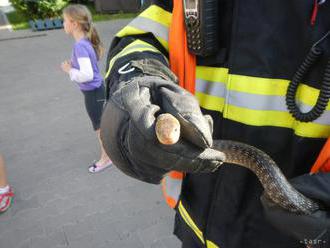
[{"x": 256, "y": 85}]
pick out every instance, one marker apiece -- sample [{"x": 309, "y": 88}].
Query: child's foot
[
  {"x": 5, "y": 200},
  {"x": 98, "y": 166}
]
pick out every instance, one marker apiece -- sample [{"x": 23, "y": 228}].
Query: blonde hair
[{"x": 82, "y": 15}]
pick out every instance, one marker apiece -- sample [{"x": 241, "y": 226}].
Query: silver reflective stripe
[
  {"x": 254, "y": 101},
  {"x": 270, "y": 103},
  {"x": 257, "y": 102},
  {"x": 173, "y": 187},
  {"x": 151, "y": 26},
  {"x": 211, "y": 88}
]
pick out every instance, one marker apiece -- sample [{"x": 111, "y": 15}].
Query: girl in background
[{"x": 83, "y": 69}]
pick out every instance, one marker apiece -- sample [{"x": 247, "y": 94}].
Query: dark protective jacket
[{"x": 243, "y": 87}]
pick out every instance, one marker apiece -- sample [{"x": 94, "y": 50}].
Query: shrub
[{"x": 39, "y": 9}]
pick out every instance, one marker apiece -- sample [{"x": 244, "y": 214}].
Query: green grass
[
  {"x": 106, "y": 17},
  {"x": 21, "y": 22},
  {"x": 17, "y": 21}
]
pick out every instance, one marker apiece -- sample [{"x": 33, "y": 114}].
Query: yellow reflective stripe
[
  {"x": 312, "y": 130},
  {"x": 186, "y": 217},
  {"x": 135, "y": 46},
  {"x": 189, "y": 221},
  {"x": 212, "y": 74},
  {"x": 269, "y": 86},
  {"x": 250, "y": 101},
  {"x": 153, "y": 20},
  {"x": 158, "y": 14},
  {"x": 128, "y": 30},
  {"x": 257, "y": 85},
  {"x": 258, "y": 101},
  {"x": 263, "y": 118},
  {"x": 308, "y": 95},
  {"x": 276, "y": 118},
  {"x": 210, "y": 244},
  {"x": 210, "y": 102}
]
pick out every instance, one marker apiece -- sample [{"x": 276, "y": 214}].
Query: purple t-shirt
[{"x": 84, "y": 49}]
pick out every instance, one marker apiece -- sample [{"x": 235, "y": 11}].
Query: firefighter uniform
[{"x": 243, "y": 87}]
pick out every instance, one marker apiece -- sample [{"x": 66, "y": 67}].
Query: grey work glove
[{"x": 128, "y": 126}]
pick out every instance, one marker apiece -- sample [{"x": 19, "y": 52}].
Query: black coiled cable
[{"x": 323, "y": 98}]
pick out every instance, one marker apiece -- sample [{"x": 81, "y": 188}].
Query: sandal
[
  {"x": 5, "y": 200},
  {"x": 94, "y": 168}
]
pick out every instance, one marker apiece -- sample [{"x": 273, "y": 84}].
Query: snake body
[{"x": 276, "y": 186}]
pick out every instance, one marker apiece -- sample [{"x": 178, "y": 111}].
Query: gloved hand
[
  {"x": 128, "y": 125},
  {"x": 311, "y": 229}
]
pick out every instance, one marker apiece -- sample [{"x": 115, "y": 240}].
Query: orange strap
[
  {"x": 171, "y": 188},
  {"x": 182, "y": 63},
  {"x": 323, "y": 161}
]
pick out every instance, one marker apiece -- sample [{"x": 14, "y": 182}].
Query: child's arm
[{"x": 85, "y": 73}]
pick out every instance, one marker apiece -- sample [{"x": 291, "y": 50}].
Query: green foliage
[
  {"x": 39, "y": 9},
  {"x": 20, "y": 21},
  {"x": 17, "y": 20}
]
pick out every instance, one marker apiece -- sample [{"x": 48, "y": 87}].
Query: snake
[{"x": 276, "y": 186}]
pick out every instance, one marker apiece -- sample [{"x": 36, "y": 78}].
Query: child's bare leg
[
  {"x": 3, "y": 175},
  {"x": 6, "y": 193},
  {"x": 104, "y": 160}
]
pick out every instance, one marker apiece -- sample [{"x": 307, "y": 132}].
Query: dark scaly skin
[{"x": 276, "y": 186}]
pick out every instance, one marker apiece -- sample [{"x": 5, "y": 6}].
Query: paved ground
[{"x": 48, "y": 143}]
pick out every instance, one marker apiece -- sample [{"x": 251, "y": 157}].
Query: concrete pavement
[{"x": 48, "y": 143}]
